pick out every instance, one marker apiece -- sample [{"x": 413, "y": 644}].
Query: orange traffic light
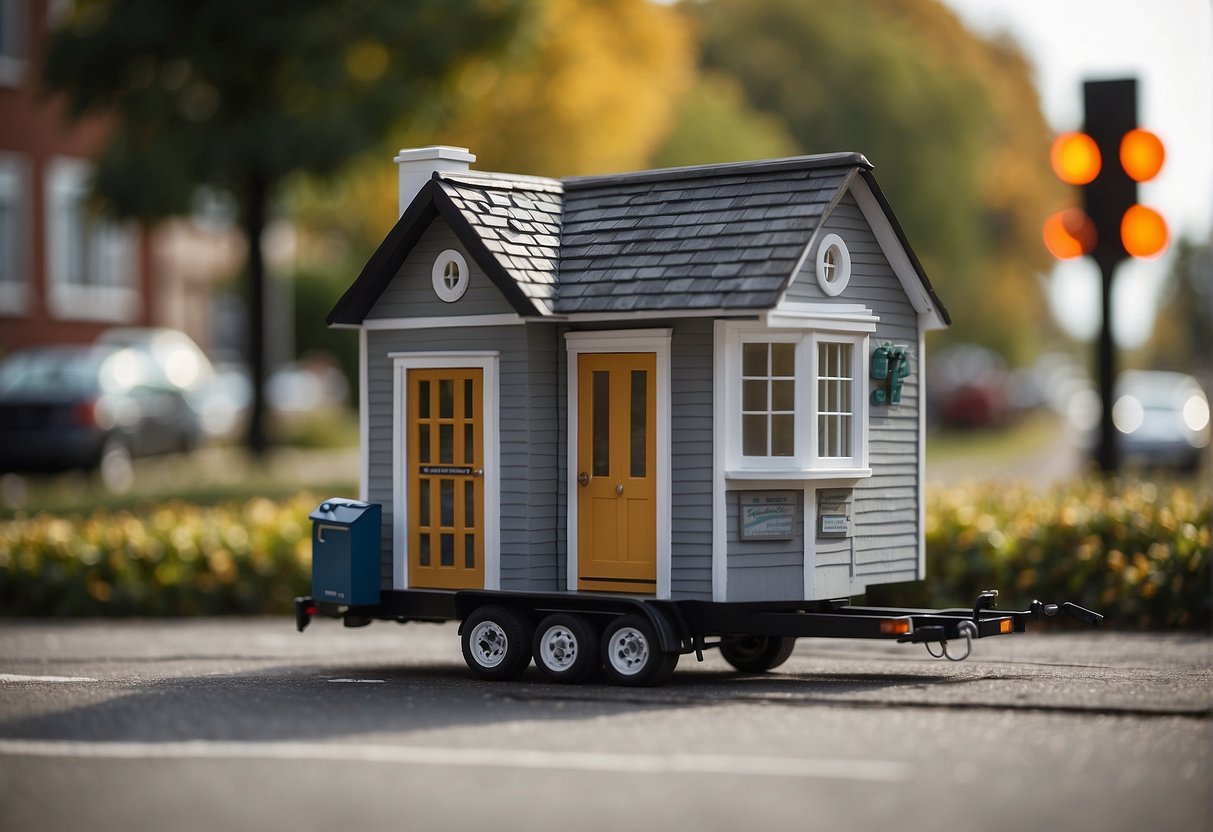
[
  {"x": 1069, "y": 234},
  {"x": 1143, "y": 232},
  {"x": 1075, "y": 158},
  {"x": 1141, "y": 154}
]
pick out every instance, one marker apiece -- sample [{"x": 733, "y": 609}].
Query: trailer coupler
[{"x": 304, "y": 610}]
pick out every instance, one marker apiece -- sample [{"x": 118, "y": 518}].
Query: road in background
[{"x": 244, "y": 724}]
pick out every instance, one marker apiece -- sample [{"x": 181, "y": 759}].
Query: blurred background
[{"x": 186, "y": 189}]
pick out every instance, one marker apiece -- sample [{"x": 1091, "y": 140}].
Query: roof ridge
[
  {"x": 502, "y": 180},
  {"x": 809, "y": 162}
]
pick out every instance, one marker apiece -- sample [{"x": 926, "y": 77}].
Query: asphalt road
[{"x": 244, "y": 724}]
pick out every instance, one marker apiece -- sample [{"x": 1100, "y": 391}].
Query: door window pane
[
  {"x": 423, "y": 497},
  {"x": 446, "y": 553},
  {"x": 469, "y": 504},
  {"x": 601, "y": 424},
  {"x": 446, "y": 494},
  {"x": 640, "y": 411},
  {"x": 423, "y": 553},
  {"x": 446, "y": 444},
  {"x": 446, "y": 399},
  {"x": 469, "y": 551},
  {"x": 423, "y": 399},
  {"x": 423, "y": 441}
]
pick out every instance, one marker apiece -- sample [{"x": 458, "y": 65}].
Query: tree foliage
[
  {"x": 950, "y": 120},
  {"x": 238, "y": 94}
]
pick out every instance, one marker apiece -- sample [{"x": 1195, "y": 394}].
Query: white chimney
[{"x": 417, "y": 166}]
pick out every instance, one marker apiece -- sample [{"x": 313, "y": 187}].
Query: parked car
[
  {"x": 64, "y": 407},
  {"x": 1162, "y": 419}
]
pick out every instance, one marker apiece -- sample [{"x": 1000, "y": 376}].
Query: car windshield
[{"x": 56, "y": 371}]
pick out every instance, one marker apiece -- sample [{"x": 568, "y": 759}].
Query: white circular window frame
[
  {"x": 449, "y": 294},
  {"x": 835, "y": 285}
]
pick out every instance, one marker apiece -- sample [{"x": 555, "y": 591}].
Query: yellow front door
[
  {"x": 446, "y": 478},
  {"x": 616, "y": 472}
]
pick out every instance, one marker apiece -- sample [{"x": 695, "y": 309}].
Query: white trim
[
  {"x": 656, "y": 341},
  {"x": 833, "y": 287},
  {"x": 487, "y": 362},
  {"x": 450, "y": 294},
  {"x": 654, "y": 314},
  {"x": 895, "y": 253},
  {"x": 364, "y": 419},
  {"x": 847, "y": 475},
  {"x": 922, "y": 455},
  {"x": 503, "y": 319}
]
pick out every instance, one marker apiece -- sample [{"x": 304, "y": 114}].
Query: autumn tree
[
  {"x": 951, "y": 121},
  {"x": 239, "y": 94}
]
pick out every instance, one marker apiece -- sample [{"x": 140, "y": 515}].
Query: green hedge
[{"x": 1137, "y": 552}]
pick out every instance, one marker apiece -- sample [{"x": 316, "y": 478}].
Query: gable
[{"x": 410, "y": 293}]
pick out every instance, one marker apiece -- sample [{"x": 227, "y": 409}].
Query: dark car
[
  {"x": 1162, "y": 418},
  {"x": 88, "y": 407}
]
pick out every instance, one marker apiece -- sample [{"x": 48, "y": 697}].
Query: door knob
[
  {"x": 619, "y": 488},
  {"x": 583, "y": 479}
]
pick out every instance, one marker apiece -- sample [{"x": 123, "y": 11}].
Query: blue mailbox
[{"x": 345, "y": 552}]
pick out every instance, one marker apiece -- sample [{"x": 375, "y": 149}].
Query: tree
[
  {"x": 239, "y": 94},
  {"x": 950, "y": 120}
]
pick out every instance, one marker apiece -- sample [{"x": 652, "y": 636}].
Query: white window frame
[
  {"x": 15, "y": 263},
  {"x": 447, "y": 293},
  {"x": 806, "y": 463},
  {"x": 104, "y": 284},
  {"x": 834, "y": 274}
]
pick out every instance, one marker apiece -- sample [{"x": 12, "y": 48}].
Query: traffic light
[{"x": 1106, "y": 161}]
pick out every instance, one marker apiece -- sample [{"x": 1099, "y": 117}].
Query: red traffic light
[
  {"x": 1141, "y": 154},
  {"x": 1075, "y": 158},
  {"x": 1069, "y": 234}
]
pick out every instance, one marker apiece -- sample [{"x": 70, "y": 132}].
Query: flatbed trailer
[{"x": 638, "y": 641}]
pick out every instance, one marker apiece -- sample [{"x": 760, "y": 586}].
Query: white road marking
[
  {"x": 16, "y": 677},
  {"x": 880, "y": 771},
  {"x": 358, "y": 681}
]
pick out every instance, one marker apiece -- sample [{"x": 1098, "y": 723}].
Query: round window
[
  {"x": 450, "y": 276},
  {"x": 833, "y": 265}
]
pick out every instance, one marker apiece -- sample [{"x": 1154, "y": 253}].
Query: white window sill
[
  {"x": 107, "y": 304},
  {"x": 794, "y": 474}
]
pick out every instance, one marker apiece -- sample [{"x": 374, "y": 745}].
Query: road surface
[{"x": 245, "y": 724}]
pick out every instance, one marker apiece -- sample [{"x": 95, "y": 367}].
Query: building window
[
  {"x": 793, "y": 400},
  {"x": 833, "y": 265},
  {"x": 768, "y": 399},
  {"x": 835, "y": 401},
  {"x": 450, "y": 276},
  {"x": 14, "y": 234},
  {"x": 13, "y": 36},
  {"x": 93, "y": 262}
]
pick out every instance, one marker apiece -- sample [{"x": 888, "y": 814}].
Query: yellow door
[
  {"x": 616, "y": 472},
  {"x": 446, "y": 478}
]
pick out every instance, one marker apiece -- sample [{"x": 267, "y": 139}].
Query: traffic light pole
[{"x": 1107, "y": 452}]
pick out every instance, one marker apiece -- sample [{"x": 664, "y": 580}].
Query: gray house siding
[
  {"x": 411, "y": 293},
  {"x": 691, "y": 459},
  {"x": 885, "y": 508},
  {"x": 764, "y": 570}
]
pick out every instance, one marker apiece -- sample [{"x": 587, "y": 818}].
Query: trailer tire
[
  {"x": 566, "y": 648},
  {"x": 497, "y": 643},
  {"x": 632, "y": 655},
  {"x": 757, "y": 654}
]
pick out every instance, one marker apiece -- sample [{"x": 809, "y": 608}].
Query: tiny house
[
  {"x": 696, "y": 390},
  {"x": 658, "y": 383}
]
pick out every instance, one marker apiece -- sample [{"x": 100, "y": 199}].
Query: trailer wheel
[
  {"x": 497, "y": 643},
  {"x": 631, "y": 653},
  {"x": 757, "y": 654},
  {"x": 566, "y": 648}
]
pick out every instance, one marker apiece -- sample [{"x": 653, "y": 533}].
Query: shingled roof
[{"x": 711, "y": 237}]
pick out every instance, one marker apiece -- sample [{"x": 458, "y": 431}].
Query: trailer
[
  {"x": 614, "y": 420},
  {"x": 638, "y": 642}
]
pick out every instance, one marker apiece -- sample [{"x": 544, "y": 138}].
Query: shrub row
[{"x": 1136, "y": 551}]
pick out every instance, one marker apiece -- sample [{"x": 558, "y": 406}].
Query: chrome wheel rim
[
  {"x": 558, "y": 648},
  {"x": 629, "y": 651},
  {"x": 489, "y": 644}
]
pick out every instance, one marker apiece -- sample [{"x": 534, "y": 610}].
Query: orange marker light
[
  {"x": 1141, "y": 155},
  {"x": 1069, "y": 234},
  {"x": 1075, "y": 158},
  {"x": 1143, "y": 232}
]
